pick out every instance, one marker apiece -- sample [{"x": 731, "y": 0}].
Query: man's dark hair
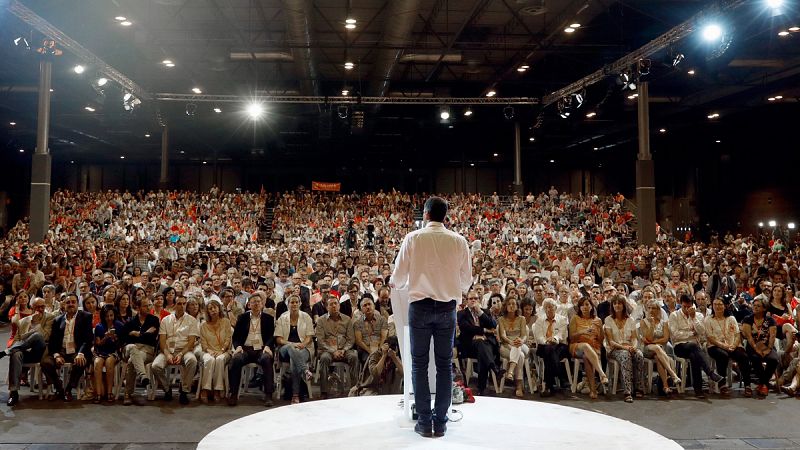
[{"x": 436, "y": 207}]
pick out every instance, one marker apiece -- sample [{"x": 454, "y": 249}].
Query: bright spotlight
[
  {"x": 89, "y": 108},
  {"x": 712, "y": 32},
  {"x": 444, "y": 115},
  {"x": 120, "y": 18},
  {"x": 102, "y": 81},
  {"x": 531, "y": 138},
  {"x": 350, "y": 20},
  {"x": 491, "y": 93},
  {"x": 761, "y": 224},
  {"x": 589, "y": 115},
  {"x": 197, "y": 90},
  {"x": 468, "y": 112},
  {"x": 775, "y": 4},
  {"x": 350, "y": 26},
  {"x": 255, "y": 110},
  {"x": 790, "y": 225},
  {"x": 348, "y": 65},
  {"x": 126, "y": 23},
  {"x": 772, "y": 223},
  {"x": 217, "y": 110},
  {"x": 79, "y": 69}
]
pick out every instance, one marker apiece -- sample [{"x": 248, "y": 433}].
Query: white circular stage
[{"x": 378, "y": 422}]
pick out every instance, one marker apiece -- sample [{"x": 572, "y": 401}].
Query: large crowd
[{"x": 132, "y": 290}]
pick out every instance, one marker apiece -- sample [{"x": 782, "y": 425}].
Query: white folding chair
[{"x": 470, "y": 371}]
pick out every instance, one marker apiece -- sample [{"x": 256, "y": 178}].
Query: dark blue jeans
[{"x": 431, "y": 319}]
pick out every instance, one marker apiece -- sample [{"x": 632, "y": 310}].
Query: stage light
[
  {"x": 491, "y": 93},
  {"x": 120, "y": 18},
  {"x": 508, "y": 112},
  {"x": 718, "y": 141},
  {"x": 197, "y": 90},
  {"x": 12, "y": 123},
  {"x": 790, "y": 225},
  {"x": 569, "y": 30},
  {"x": 350, "y": 20},
  {"x": 444, "y": 115},
  {"x": 774, "y": 4},
  {"x": 79, "y": 69},
  {"x": 712, "y": 32},
  {"x": 345, "y": 92},
  {"x": 531, "y": 138},
  {"x": 778, "y": 97},
  {"x": 662, "y": 130},
  {"x": 342, "y": 111},
  {"x": 147, "y": 135},
  {"x": 170, "y": 65},
  {"x": 589, "y": 115},
  {"x": 783, "y": 33},
  {"x": 467, "y": 112},
  {"x": 771, "y": 99},
  {"x": 89, "y": 108},
  {"x": 552, "y": 160},
  {"x": 794, "y": 29},
  {"x": 102, "y": 81},
  {"x": 205, "y": 162},
  {"x": 495, "y": 155},
  {"x": 126, "y": 23},
  {"x": 678, "y": 59},
  {"x": 773, "y": 223},
  {"x": 472, "y": 164},
  {"x": 22, "y": 42},
  {"x": 575, "y": 25},
  {"x": 761, "y": 224},
  {"x": 713, "y": 116},
  {"x": 350, "y": 26},
  {"x": 596, "y": 148},
  {"x": 22, "y": 150},
  {"x": 255, "y": 110},
  {"x": 217, "y": 110},
  {"x": 520, "y": 69},
  {"x": 348, "y": 65},
  {"x": 525, "y": 66},
  {"x": 691, "y": 72}
]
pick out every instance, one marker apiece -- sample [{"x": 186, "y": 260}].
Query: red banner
[{"x": 323, "y": 186}]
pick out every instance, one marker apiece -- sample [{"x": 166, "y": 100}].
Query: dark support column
[
  {"x": 645, "y": 173},
  {"x": 518, "y": 189},
  {"x": 40, "y": 172},
  {"x": 163, "y": 181}
]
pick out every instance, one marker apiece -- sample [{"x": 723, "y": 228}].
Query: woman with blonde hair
[{"x": 215, "y": 340}]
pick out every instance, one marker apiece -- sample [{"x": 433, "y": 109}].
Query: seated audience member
[
  {"x": 550, "y": 334},
  {"x": 252, "y": 342},
  {"x": 370, "y": 330},
  {"x": 140, "y": 337},
  {"x": 781, "y": 312},
  {"x": 622, "y": 344},
  {"x": 215, "y": 340},
  {"x": 106, "y": 352},
  {"x": 655, "y": 339},
  {"x": 19, "y": 311},
  {"x": 294, "y": 331},
  {"x": 91, "y": 307},
  {"x": 231, "y": 309},
  {"x": 688, "y": 333},
  {"x": 177, "y": 336},
  {"x": 383, "y": 372},
  {"x": 158, "y": 307},
  {"x": 335, "y": 344},
  {"x": 759, "y": 329},
  {"x": 725, "y": 342},
  {"x": 70, "y": 342},
  {"x": 30, "y": 342},
  {"x": 478, "y": 339},
  {"x": 513, "y": 332},
  {"x": 52, "y": 305},
  {"x": 586, "y": 337}
]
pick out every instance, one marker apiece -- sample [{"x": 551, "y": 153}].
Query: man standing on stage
[{"x": 434, "y": 264}]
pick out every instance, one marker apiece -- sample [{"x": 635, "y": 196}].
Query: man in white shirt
[
  {"x": 550, "y": 333},
  {"x": 688, "y": 333},
  {"x": 177, "y": 337},
  {"x": 434, "y": 264}
]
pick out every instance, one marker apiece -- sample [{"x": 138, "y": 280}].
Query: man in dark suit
[
  {"x": 70, "y": 342},
  {"x": 477, "y": 339},
  {"x": 252, "y": 343}
]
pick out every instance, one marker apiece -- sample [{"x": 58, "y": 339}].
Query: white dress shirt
[
  {"x": 178, "y": 331},
  {"x": 560, "y": 329},
  {"x": 683, "y": 329},
  {"x": 433, "y": 262}
]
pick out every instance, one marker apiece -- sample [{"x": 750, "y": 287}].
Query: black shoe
[
  {"x": 699, "y": 395},
  {"x": 233, "y": 399},
  {"x": 167, "y": 395},
  {"x": 498, "y": 372},
  {"x": 440, "y": 430},
  {"x": 183, "y": 398},
  {"x": 13, "y": 398},
  {"x": 145, "y": 382},
  {"x": 2, "y": 354},
  {"x": 423, "y": 431}
]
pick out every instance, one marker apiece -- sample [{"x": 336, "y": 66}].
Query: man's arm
[
  {"x": 466, "y": 267},
  {"x": 402, "y": 265}
]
